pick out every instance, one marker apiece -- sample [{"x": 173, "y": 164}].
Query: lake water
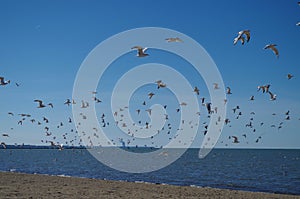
[{"x": 276, "y": 171}]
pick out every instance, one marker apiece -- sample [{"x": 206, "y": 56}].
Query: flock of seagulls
[{"x": 243, "y": 37}]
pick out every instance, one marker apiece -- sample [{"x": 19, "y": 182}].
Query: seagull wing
[{"x": 275, "y": 50}]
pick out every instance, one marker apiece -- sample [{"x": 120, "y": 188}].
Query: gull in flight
[
  {"x": 272, "y": 96},
  {"x": 298, "y": 24},
  {"x": 216, "y": 86},
  {"x": 273, "y": 48},
  {"x": 140, "y": 51},
  {"x": 2, "y": 82},
  {"x": 160, "y": 84},
  {"x": 173, "y": 39},
  {"x": 68, "y": 102},
  {"x": 290, "y": 76},
  {"x": 265, "y": 88},
  {"x": 3, "y": 144},
  {"x": 228, "y": 91},
  {"x": 41, "y": 105},
  {"x": 241, "y": 37},
  {"x": 150, "y": 95},
  {"x": 235, "y": 139},
  {"x": 196, "y": 90}
]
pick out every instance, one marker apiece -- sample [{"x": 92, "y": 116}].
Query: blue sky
[{"x": 43, "y": 43}]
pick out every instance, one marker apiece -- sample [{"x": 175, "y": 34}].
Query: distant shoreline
[{"x": 15, "y": 185}]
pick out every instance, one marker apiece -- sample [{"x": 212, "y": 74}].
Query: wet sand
[{"x": 17, "y": 185}]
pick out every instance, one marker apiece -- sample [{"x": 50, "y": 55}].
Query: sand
[{"x": 17, "y": 185}]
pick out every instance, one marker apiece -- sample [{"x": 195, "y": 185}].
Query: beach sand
[{"x": 17, "y": 185}]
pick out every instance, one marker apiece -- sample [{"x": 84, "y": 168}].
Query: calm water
[{"x": 276, "y": 171}]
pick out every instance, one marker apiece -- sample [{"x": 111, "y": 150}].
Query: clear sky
[{"x": 43, "y": 43}]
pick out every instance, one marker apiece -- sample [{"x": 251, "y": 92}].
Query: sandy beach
[{"x": 17, "y": 185}]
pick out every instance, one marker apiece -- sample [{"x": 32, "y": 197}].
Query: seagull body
[
  {"x": 3, "y": 144},
  {"x": 68, "y": 102},
  {"x": 196, "y": 90},
  {"x": 273, "y": 48},
  {"x": 235, "y": 139},
  {"x": 272, "y": 96},
  {"x": 241, "y": 37},
  {"x": 228, "y": 91},
  {"x": 140, "y": 51},
  {"x": 216, "y": 86},
  {"x": 160, "y": 84},
  {"x": 150, "y": 95},
  {"x": 41, "y": 105},
  {"x": 173, "y": 39},
  {"x": 208, "y": 107},
  {"x": 289, "y": 76},
  {"x": 3, "y": 82}
]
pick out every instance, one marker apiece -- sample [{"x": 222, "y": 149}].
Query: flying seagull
[
  {"x": 140, "y": 51},
  {"x": 235, "y": 139},
  {"x": 241, "y": 36},
  {"x": 228, "y": 90},
  {"x": 196, "y": 90},
  {"x": 272, "y": 96},
  {"x": 273, "y": 48},
  {"x": 290, "y": 76},
  {"x": 173, "y": 39},
  {"x": 3, "y": 82},
  {"x": 41, "y": 105}
]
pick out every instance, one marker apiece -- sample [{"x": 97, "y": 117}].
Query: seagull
[
  {"x": 196, "y": 90},
  {"x": 51, "y": 105},
  {"x": 216, "y": 86},
  {"x": 10, "y": 113},
  {"x": 160, "y": 84},
  {"x": 150, "y": 95},
  {"x": 41, "y": 105},
  {"x": 202, "y": 100},
  {"x": 5, "y": 135},
  {"x": 235, "y": 139},
  {"x": 173, "y": 39},
  {"x": 241, "y": 37},
  {"x": 273, "y": 48},
  {"x": 298, "y": 24},
  {"x": 183, "y": 104},
  {"x": 68, "y": 102},
  {"x": 3, "y": 144},
  {"x": 140, "y": 51},
  {"x": 252, "y": 98},
  {"x": 2, "y": 82},
  {"x": 208, "y": 107},
  {"x": 272, "y": 96},
  {"x": 289, "y": 76},
  {"x": 228, "y": 91}
]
